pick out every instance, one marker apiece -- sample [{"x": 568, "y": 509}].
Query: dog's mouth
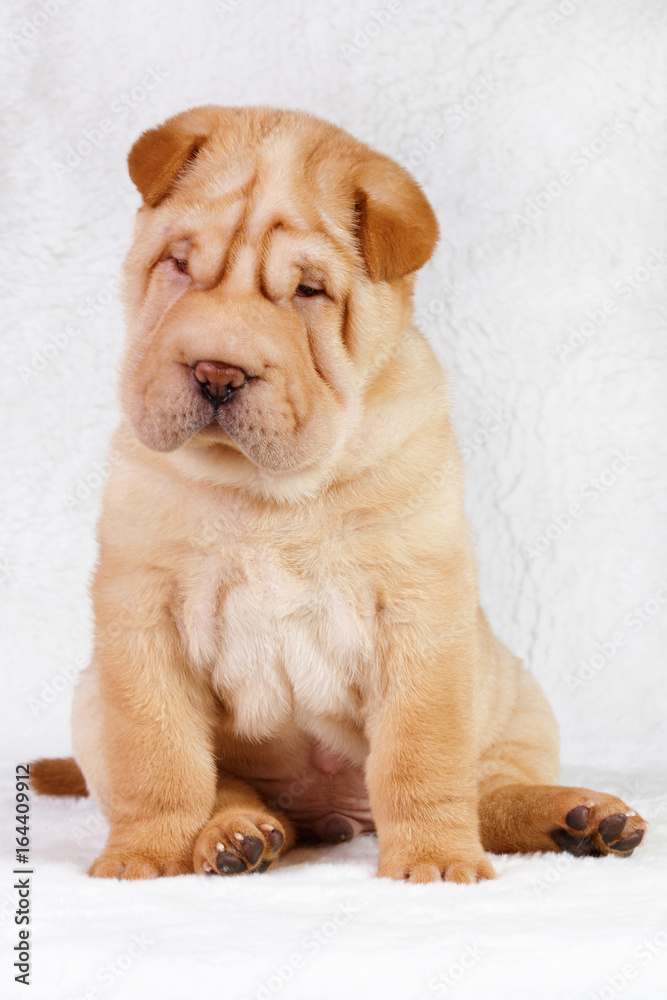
[
  {"x": 217, "y": 397},
  {"x": 226, "y": 421}
]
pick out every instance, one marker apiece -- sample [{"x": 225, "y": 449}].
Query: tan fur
[
  {"x": 286, "y": 595},
  {"x": 58, "y": 776}
]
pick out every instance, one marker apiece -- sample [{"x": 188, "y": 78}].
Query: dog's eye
[
  {"x": 182, "y": 265},
  {"x": 306, "y": 291}
]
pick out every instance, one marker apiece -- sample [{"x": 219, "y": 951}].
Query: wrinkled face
[{"x": 257, "y": 244}]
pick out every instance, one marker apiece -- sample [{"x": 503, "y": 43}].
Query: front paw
[
  {"x": 436, "y": 863},
  {"x": 131, "y": 864},
  {"x": 235, "y": 842}
]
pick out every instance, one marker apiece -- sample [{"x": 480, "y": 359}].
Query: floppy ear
[
  {"x": 160, "y": 154},
  {"x": 398, "y": 230}
]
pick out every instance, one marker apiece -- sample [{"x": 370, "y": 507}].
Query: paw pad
[
  {"x": 274, "y": 837},
  {"x": 611, "y": 827},
  {"x": 577, "y": 818},
  {"x": 588, "y": 832},
  {"x": 231, "y": 844},
  {"x": 229, "y": 864}
]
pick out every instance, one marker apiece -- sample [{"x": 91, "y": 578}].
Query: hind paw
[{"x": 595, "y": 824}]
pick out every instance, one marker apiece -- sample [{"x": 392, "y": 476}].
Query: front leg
[
  {"x": 421, "y": 770},
  {"x": 149, "y": 763}
]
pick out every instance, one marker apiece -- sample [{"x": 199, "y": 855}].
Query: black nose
[{"x": 218, "y": 381}]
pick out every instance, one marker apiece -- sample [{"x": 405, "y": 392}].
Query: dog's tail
[{"x": 57, "y": 776}]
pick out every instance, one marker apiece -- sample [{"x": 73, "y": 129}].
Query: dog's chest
[{"x": 282, "y": 643}]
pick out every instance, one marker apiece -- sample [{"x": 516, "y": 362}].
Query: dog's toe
[
  {"x": 233, "y": 843},
  {"x": 230, "y": 864},
  {"x": 132, "y": 865},
  {"x": 610, "y": 828},
  {"x": 601, "y": 824}
]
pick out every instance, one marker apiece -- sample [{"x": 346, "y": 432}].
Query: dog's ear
[
  {"x": 160, "y": 154},
  {"x": 398, "y": 230}
]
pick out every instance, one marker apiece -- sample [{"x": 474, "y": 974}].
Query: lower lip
[{"x": 214, "y": 430}]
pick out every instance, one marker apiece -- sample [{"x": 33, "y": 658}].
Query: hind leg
[{"x": 522, "y": 809}]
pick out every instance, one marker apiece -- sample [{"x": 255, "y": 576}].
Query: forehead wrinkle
[
  {"x": 342, "y": 237},
  {"x": 241, "y": 266},
  {"x": 310, "y": 250},
  {"x": 272, "y": 213},
  {"x": 241, "y": 244},
  {"x": 227, "y": 218},
  {"x": 277, "y": 198},
  {"x": 203, "y": 217},
  {"x": 303, "y": 244},
  {"x": 223, "y": 175}
]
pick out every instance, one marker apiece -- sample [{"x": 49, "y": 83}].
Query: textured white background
[{"x": 488, "y": 103}]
